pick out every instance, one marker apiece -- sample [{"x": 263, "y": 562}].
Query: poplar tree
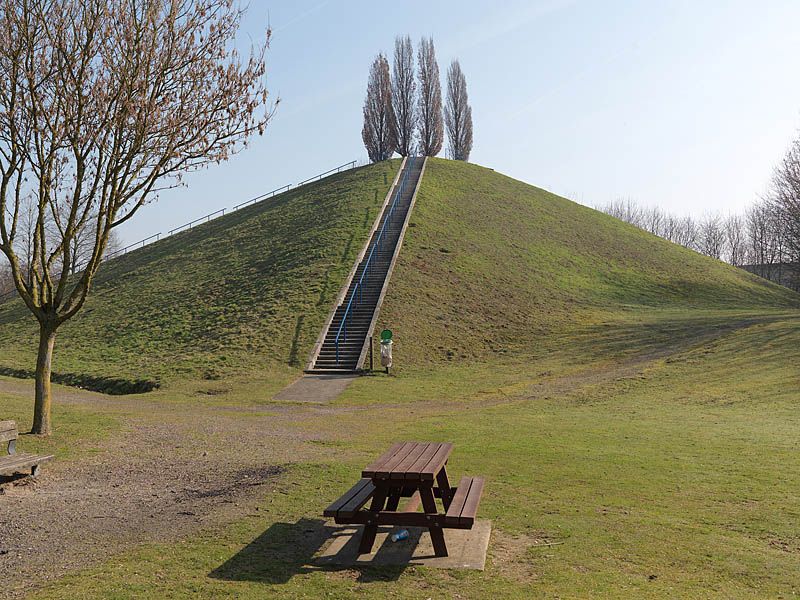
[
  {"x": 404, "y": 95},
  {"x": 430, "y": 127},
  {"x": 458, "y": 114},
  {"x": 379, "y": 134}
]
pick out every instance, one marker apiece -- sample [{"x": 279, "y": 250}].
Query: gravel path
[{"x": 163, "y": 477}]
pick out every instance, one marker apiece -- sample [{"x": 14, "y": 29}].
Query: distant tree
[
  {"x": 458, "y": 113},
  {"x": 761, "y": 242},
  {"x": 404, "y": 99},
  {"x": 711, "y": 240},
  {"x": 379, "y": 134},
  {"x": 785, "y": 204},
  {"x": 6, "y": 279},
  {"x": 735, "y": 240},
  {"x": 431, "y": 128},
  {"x": 653, "y": 220},
  {"x": 102, "y": 104}
]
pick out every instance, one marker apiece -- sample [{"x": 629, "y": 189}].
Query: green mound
[
  {"x": 249, "y": 291},
  {"x": 493, "y": 266}
]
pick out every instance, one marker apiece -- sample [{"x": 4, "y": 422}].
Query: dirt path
[{"x": 164, "y": 476}]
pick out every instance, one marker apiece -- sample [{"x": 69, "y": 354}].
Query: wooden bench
[
  {"x": 464, "y": 505},
  {"x": 409, "y": 470},
  {"x": 14, "y": 463}
]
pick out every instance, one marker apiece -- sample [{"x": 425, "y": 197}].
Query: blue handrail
[{"x": 377, "y": 243}]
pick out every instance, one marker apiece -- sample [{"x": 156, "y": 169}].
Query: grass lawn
[
  {"x": 607, "y": 477},
  {"x": 77, "y": 429}
]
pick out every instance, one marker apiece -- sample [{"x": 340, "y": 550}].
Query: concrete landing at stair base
[
  {"x": 316, "y": 389},
  {"x": 466, "y": 547}
]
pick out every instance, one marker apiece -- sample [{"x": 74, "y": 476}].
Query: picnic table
[{"x": 414, "y": 470}]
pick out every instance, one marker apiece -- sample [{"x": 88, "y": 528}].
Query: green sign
[{"x": 386, "y": 335}]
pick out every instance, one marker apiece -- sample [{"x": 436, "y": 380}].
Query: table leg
[
  {"x": 394, "y": 499},
  {"x": 437, "y": 535},
  {"x": 444, "y": 488},
  {"x": 371, "y": 529}
]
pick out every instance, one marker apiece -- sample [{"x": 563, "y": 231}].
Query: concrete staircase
[{"x": 361, "y": 300}]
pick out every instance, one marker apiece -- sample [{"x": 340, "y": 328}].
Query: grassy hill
[
  {"x": 491, "y": 265},
  {"x": 246, "y": 292}
]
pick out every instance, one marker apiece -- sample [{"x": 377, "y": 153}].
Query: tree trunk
[{"x": 44, "y": 361}]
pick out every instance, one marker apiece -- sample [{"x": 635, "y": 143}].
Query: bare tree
[
  {"x": 431, "y": 128},
  {"x": 785, "y": 204},
  {"x": 458, "y": 113},
  {"x": 103, "y": 103},
  {"x": 6, "y": 279},
  {"x": 653, "y": 220},
  {"x": 379, "y": 134},
  {"x": 404, "y": 90},
  {"x": 626, "y": 210},
  {"x": 761, "y": 239},
  {"x": 711, "y": 240},
  {"x": 735, "y": 240}
]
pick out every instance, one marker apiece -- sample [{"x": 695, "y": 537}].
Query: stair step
[{"x": 362, "y": 299}]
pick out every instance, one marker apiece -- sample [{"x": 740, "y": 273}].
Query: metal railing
[
  {"x": 358, "y": 290},
  {"x": 221, "y": 212}
]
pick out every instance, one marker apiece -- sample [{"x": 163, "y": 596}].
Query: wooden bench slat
[
  {"x": 470, "y": 510},
  {"x": 437, "y": 462},
  {"x": 8, "y": 425},
  {"x": 371, "y": 468},
  {"x": 345, "y": 498},
  {"x": 457, "y": 503},
  {"x": 14, "y": 462},
  {"x": 386, "y": 470},
  {"x": 8, "y": 435},
  {"x": 400, "y": 471},
  {"x": 353, "y": 505}
]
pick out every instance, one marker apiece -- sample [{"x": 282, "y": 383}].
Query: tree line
[
  {"x": 764, "y": 239},
  {"x": 403, "y": 110}
]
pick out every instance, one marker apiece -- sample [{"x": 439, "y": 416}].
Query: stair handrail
[{"x": 378, "y": 242}]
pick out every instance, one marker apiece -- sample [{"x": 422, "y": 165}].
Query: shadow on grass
[
  {"x": 661, "y": 337},
  {"x": 114, "y": 386},
  {"x": 287, "y": 549}
]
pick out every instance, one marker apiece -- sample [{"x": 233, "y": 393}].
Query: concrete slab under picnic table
[
  {"x": 467, "y": 548},
  {"x": 318, "y": 389}
]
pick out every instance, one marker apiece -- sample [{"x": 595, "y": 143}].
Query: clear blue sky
[{"x": 687, "y": 105}]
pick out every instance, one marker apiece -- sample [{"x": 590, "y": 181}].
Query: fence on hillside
[{"x": 206, "y": 218}]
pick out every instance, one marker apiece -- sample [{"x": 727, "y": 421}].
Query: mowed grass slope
[
  {"x": 490, "y": 265},
  {"x": 247, "y": 291}
]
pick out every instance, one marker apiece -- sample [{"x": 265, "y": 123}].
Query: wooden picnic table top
[{"x": 410, "y": 462}]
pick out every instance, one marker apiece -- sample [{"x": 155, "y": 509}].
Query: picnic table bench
[
  {"x": 13, "y": 463},
  {"x": 414, "y": 470}
]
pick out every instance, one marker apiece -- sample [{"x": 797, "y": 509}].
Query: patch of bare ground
[
  {"x": 515, "y": 556},
  {"x": 166, "y": 475}
]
